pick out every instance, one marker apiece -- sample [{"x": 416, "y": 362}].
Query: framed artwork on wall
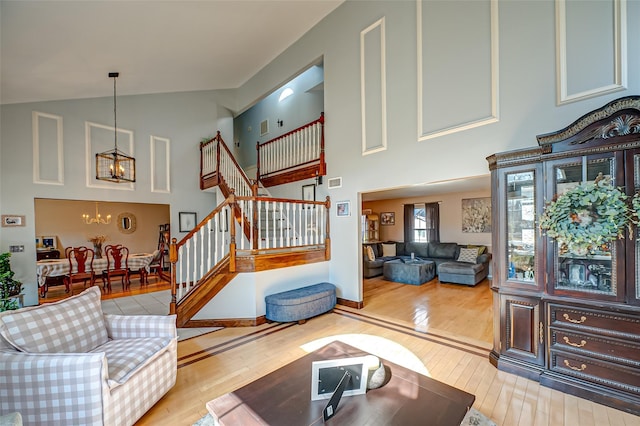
[
  {"x": 388, "y": 218},
  {"x": 476, "y": 215},
  {"x": 309, "y": 192},
  {"x": 187, "y": 221},
  {"x": 13, "y": 220},
  {"x": 343, "y": 208}
]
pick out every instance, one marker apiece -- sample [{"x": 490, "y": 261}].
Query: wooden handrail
[
  {"x": 319, "y": 120},
  {"x": 233, "y": 158},
  {"x": 284, "y": 168}
]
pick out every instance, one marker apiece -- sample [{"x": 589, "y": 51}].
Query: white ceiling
[
  {"x": 471, "y": 184},
  {"x": 54, "y": 49}
]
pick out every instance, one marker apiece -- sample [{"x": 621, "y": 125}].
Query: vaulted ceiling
[{"x": 52, "y": 49}]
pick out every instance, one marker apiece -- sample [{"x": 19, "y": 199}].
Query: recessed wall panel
[
  {"x": 373, "y": 88},
  {"x": 457, "y": 66},
  {"x": 48, "y": 158},
  {"x": 591, "y": 48},
  {"x": 160, "y": 164},
  {"x": 101, "y": 138}
]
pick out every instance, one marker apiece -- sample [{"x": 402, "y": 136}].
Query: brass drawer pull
[
  {"x": 577, "y": 345},
  {"x": 580, "y": 321},
  {"x": 581, "y": 368}
]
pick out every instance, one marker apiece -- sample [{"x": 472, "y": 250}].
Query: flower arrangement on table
[
  {"x": 97, "y": 244},
  {"x": 586, "y": 218}
]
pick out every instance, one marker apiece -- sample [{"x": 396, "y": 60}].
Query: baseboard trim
[
  {"x": 227, "y": 322},
  {"x": 350, "y": 303}
]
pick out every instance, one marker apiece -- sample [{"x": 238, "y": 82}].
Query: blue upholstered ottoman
[
  {"x": 414, "y": 272},
  {"x": 301, "y": 303}
]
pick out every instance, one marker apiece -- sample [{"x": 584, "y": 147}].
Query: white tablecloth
[{"x": 57, "y": 267}]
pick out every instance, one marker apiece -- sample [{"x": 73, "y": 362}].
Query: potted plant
[{"x": 9, "y": 288}]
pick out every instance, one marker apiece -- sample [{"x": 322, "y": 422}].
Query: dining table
[{"x": 60, "y": 267}]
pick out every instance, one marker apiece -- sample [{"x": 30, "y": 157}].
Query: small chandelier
[
  {"x": 98, "y": 220},
  {"x": 115, "y": 166}
]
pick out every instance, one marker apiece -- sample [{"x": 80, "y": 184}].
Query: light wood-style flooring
[{"x": 447, "y": 327}]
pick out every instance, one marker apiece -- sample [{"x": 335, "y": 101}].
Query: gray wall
[
  {"x": 487, "y": 83},
  {"x": 183, "y": 118},
  {"x": 513, "y": 100}
]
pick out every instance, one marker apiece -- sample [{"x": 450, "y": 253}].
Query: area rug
[{"x": 473, "y": 418}]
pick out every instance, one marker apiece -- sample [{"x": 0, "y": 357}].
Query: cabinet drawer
[
  {"x": 606, "y": 323},
  {"x": 596, "y": 346},
  {"x": 596, "y": 371}
]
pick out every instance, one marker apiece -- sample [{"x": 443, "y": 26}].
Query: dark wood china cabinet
[{"x": 570, "y": 321}]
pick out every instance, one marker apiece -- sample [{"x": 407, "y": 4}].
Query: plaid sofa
[{"x": 68, "y": 363}]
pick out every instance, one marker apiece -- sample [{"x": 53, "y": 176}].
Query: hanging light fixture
[
  {"x": 97, "y": 219},
  {"x": 114, "y": 165}
]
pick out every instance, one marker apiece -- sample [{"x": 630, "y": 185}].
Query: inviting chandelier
[
  {"x": 97, "y": 219},
  {"x": 114, "y": 165}
]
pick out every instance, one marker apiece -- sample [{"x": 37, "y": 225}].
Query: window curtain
[
  {"x": 432, "y": 219},
  {"x": 408, "y": 222}
]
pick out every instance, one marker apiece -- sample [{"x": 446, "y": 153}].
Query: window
[
  {"x": 422, "y": 222},
  {"x": 419, "y": 224}
]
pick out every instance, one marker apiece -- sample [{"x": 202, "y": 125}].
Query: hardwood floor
[
  {"x": 447, "y": 327},
  {"x": 457, "y": 309}
]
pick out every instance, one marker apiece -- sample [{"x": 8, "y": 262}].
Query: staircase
[{"x": 246, "y": 232}]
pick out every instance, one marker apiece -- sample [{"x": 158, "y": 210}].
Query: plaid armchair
[{"x": 68, "y": 363}]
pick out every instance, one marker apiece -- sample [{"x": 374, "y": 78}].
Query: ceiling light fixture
[
  {"x": 115, "y": 166},
  {"x": 98, "y": 220}
]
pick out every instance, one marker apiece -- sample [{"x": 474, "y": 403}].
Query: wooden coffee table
[{"x": 283, "y": 397}]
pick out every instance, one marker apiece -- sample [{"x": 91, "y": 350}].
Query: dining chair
[
  {"x": 80, "y": 267},
  {"x": 157, "y": 264},
  {"x": 117, "y": 266}
]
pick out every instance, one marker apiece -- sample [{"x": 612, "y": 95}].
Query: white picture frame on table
[{"x": 325, "y": 376}]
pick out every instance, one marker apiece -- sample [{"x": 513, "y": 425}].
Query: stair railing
[
  {"x": 201, "y": 250},
  {"x": 217, "y": 161},
  {"x": 282, "y": 223},
  {"x": 213, "y": 241},
  {"x": 297, "y": 148}
]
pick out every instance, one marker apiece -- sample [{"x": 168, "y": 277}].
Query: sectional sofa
[{"x": 455, "y": 263}]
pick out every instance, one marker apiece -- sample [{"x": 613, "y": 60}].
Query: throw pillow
[
  {"x": 388, "y": 250},
  {"x": 468, "y": 255},
  {"x": 72, "y": 325},
  {"x": 481, "y": 249},
  {"x": 370, "y": 254}
]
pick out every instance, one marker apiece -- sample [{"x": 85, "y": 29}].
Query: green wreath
[{"x": 586, "y": 218}]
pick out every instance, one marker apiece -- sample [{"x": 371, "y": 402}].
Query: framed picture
[
  {"x": 577, "y": 273},
  {"x": 343, "y": 208},
  {"x": 309, "y": 192},
  {"x": 367, "y": 211},
  {"x": 13, "y": 220},
  {"x": 325, "y": 376},
  {"x": 388, "y": 218},
  {"x": 49, "y": 242},
  {"x": 188, "y": 221},
  {"x": 476, "y": 215}
]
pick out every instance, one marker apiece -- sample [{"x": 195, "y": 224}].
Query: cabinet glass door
[
  {"x": 633, "y": 264},
  {"x": 521, "y": 229},
  {"x": 585, "y": 270}
]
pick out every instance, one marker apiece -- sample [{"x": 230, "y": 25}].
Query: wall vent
[
  {"x": 334, "y": 183},
  {"x": 264, "y": 127}
]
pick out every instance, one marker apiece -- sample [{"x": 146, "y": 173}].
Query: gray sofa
[{"x": 445, "y": 255}]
